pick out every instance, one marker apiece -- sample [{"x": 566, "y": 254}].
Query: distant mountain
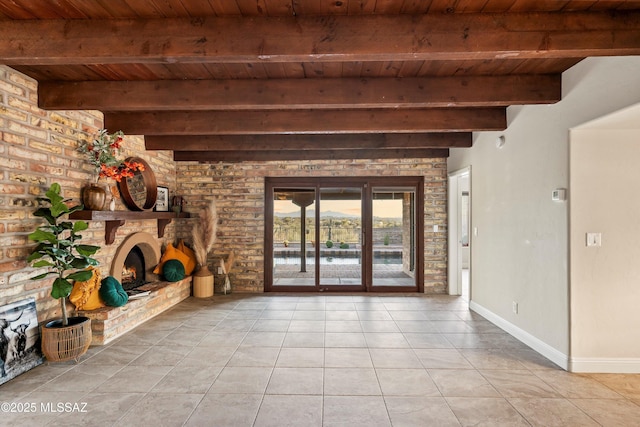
[
  {"x": 311, "y": 213},
  {"x": 330, "y": 214},
  {"x": 294, "y": 214}
]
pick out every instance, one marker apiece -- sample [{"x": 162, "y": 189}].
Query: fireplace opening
[
  {"x": 134, "y": 269},
  {"x": 136, "y": 256}
]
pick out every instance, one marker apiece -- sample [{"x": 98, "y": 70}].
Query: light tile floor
[{"x": 318, "y": 360}]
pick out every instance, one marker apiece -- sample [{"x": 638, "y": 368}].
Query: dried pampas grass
[{"x": 204, "y": 233}]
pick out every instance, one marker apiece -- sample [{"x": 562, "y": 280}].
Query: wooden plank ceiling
[{"x": 236, "y": 80}]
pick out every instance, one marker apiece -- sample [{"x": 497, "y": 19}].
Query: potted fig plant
[{"x": 58, "y": 249}]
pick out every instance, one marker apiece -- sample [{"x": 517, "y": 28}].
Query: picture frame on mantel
[{"x": 162, "y": 201}]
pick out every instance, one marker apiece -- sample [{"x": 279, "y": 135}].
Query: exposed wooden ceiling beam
[
  {"x": 320, "y": 38},
  {"x": 307, "y": 122},
  {"x": 283, "y": 155},
  {"x": 307, "y": 142},
  {"x": 253, "y": 94}
]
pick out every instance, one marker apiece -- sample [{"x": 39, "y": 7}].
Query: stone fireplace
[
  {"x": 139, "y": 252},
  {"x": 141, "y": 249}
]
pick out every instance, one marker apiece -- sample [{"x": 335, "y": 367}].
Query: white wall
[
  {"x": 521, "y": 250},
  {"x": 605, "y": 281}
]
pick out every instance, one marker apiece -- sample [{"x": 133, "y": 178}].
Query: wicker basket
[{"x": 62, "y": 343}]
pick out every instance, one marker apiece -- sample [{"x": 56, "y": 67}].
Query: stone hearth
[{"x": 109, "y": 323}]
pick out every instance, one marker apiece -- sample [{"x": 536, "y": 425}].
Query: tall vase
[
  {"x": 93, "y": 197},
  {"x": 203, "y": 283}
]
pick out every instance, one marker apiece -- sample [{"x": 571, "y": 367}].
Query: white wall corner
[{"x": 536, "y": 344}]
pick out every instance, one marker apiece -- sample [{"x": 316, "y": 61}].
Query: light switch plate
[
  {"x": 559, "y": 195},
  {"x": 594, "y": 239}
]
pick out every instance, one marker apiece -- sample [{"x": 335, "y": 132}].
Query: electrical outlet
[
  {"x": 435, "y": 228},
  {"x": 219, "y": 270},
  {"x": 514, "y": 306}
]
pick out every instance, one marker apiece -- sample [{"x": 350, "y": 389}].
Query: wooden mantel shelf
[{"x": 114, "y": 219}]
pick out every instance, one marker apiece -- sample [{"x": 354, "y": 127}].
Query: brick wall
[
  {"x": 238, "y": 189},
  {"x": 38, "y": 148}
]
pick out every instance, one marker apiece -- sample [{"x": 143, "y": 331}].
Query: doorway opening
[
  {"x": 459, "y": 211},
  {"x": 356, "y": 234}
]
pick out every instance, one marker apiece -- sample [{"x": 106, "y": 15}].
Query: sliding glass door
[
  {"x": 341, "y": 238},
  {"x": 394, "y": 237},
  {"x": 294, "y": 226},
  {"x": 359, "y": 234}
]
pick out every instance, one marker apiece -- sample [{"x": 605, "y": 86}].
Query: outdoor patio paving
[
  {"x": 318, "y": 360},
  {"x": 338, "y": 272}
]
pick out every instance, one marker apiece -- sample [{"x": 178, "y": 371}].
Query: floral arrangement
[{"x": 103, "y": 152}]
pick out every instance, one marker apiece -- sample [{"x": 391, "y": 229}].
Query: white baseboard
[
  {"x": 605, "y": 366},
  {"x": 541, "y": 347},
  {"x": 573, "y": 364}
]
